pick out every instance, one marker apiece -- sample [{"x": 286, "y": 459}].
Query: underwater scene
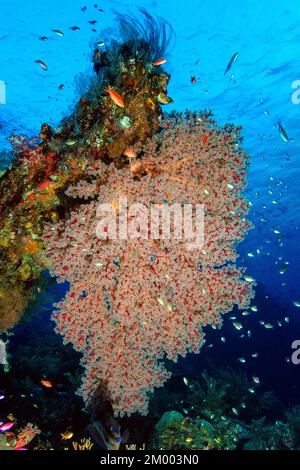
[{"x": 149, "y": 225}]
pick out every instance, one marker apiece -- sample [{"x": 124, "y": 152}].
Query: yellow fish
[
  {"x": 70, "y": 142},
  {"x": 164, "y": 99},
  {"x": 66, "y": 435}
]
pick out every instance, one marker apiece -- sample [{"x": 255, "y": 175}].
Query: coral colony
[
  {"x": 10, "y": 440},
  {"x": 131, "y": 302}
]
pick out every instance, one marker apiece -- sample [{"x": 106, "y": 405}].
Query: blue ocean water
[
  {"x": 257, "y": 93},
  {"x": 265, "y": 33}
]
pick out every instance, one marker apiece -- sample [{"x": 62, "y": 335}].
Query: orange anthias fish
[
  {"x": 159, "y": 62},
  {"x": 47, "y": 383},
  {"x": 204, "y": 138},
  {"x": 116, "y": 97},
  {"x": 129, "y": 153},
  {"x": 44, "y": 185}
]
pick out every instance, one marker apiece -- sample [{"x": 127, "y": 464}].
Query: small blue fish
[
  {"x": 231, "y": 62},
  {"x": 283, "y": 133}
]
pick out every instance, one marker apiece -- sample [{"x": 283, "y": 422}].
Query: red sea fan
[{"x": 133, "y": 302}]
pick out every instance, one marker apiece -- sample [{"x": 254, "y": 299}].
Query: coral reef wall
[
  {"x": 132, "y": 301},
  {"x": 120, "y": 108}
]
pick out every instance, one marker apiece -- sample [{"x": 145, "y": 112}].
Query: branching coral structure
[{"x": 136, "y": 300}]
